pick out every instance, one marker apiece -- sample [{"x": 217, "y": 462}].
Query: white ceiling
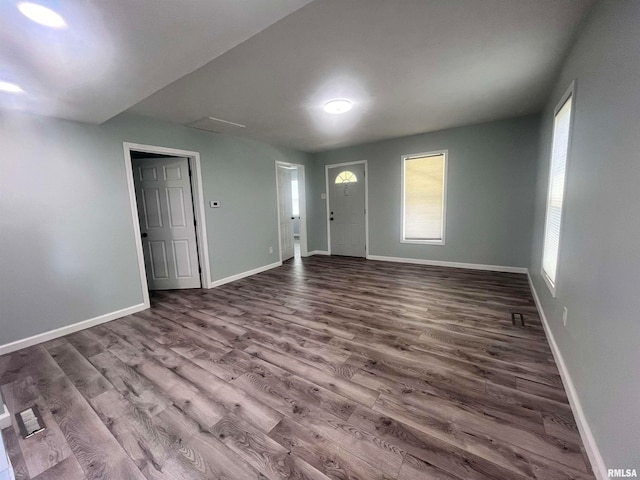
[
  {"x": 115, "y": 53},
  {"x": 409, "y": 66}
]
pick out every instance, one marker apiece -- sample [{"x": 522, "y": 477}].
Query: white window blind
[
  {"x": 559, "y": 150},
  {"x": 423, "y": 198}
]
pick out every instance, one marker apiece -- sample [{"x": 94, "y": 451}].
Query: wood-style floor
[{"x": 327, "y": 368}]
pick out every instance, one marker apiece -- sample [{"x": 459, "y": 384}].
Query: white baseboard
[
  {"x": 5, "y": 419},
  {"x": 318, "y": 252},
  {"x": 248, "y": 273},
  {"x": 62, "y": 331},
  {"x": 590, "y": 445},
  {"x": 438, "y": 263}
]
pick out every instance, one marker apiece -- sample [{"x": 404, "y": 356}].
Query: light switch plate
[
  {"x": 215, "y": 204},
  {"x": 323, "y": 196}
]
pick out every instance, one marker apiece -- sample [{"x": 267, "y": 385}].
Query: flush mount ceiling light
[
  {"x": 42, "y": 15},
  {"x": 336, "y": 106},
  {"x": 10, "y": 87}
]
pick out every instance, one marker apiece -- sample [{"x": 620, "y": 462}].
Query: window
[
  {"x": 346, "y": 177},
  {"x": 555, "y": 199},
  {"x": 295, "y": 198},
  {"x": 423, "y": 197}
]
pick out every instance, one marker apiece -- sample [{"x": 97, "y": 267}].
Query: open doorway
[
  {"x": 292, "y": 225},
  {"x": 165, "y": 190}
]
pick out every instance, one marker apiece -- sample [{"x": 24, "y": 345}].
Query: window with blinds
[
  {"x": 555, "y": 199},
  {"x": 423, "y": 197}
]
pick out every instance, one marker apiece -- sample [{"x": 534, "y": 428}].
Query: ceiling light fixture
[
  {"x": 339, "y": 105},
  {"x": 42, "y": 15},
  {"x": 10, "y": 87}
]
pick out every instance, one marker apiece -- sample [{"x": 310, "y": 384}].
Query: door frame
[
  {"x": 366, "y": 202},
  {"x": 198, "y": 203},
  {"x": 302, "y": 200}
]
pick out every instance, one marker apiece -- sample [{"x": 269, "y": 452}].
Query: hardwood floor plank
[
  {"x": 67, "y": 469},
  {"x": 79, "y": 370},
  {"x": 326, "y": 367},
  {"x": 446, "y": 456},
  {"x": 45, "y": 449},
  {"x": 134, "y": 387},
  {"x": 198, "y": 452},
  {"x": 322, "y": 454},
  {"x": 97, "y": 452},
  {"x": 541, "y": 390},
  {"x": 225, "y": 394},
  {"x": 416, "y": 469},
  {"x": 264, "y": 453},
  {"x": 15, "y": 454},
  {"x": 334, "y": 383},
  {"x": 467, "y": 400}
]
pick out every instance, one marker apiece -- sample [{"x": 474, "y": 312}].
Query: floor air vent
[
  {"x": 30, "y": 422},
  {"x": 513, "y": 318}
]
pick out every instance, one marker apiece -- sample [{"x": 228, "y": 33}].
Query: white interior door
[
  {"x": 347, "y": 210},
  {"x": 165, "y": 212},
  {"x": 285, "y": 204}
]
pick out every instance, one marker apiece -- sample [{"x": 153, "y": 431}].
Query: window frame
[
  {"x": 570, "y": 93},
  {"x": 403, "y": 160}
]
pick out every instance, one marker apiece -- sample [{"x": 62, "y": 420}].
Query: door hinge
[
  {"x": 195, "y": 222},
  {"x": 189, "y": 170},
  {"x": 199, "y": 269}
]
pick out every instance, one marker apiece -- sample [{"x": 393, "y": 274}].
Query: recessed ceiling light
[
  {"x": 10, "y": 87},
  {"x": 42, "y": 15},
  {"x": 339, "y": 105}
]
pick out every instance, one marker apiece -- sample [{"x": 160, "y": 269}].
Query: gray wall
[
  {"x": 599, "y": 270},
  {"x": 68, "y": 251},
  {"x": 490, "y": 192}
]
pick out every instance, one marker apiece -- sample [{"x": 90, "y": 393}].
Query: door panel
[
  {"x": 151, "y": 208},
  {"x": 158, "y": 260},
  {"x": 177, "y": 213},
  {"x": 165, "y": 210},
  {"x": 285, "y": 204},
  {"x": 182, "y": 258},
  {"x": 347, "y": 210}
]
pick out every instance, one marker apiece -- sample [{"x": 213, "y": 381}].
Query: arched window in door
[{"x": 346, "y": 177}]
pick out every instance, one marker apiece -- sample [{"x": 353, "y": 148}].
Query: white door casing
[
  {"x": 285, "y": 206},
  {"x": 347, "y": 222},
  {"x": 165, "y": 211}
]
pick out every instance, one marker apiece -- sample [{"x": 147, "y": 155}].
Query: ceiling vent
[{"x": 216, "y": 125}]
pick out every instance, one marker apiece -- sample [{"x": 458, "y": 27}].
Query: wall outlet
[
  {"x": 564, "y": 316},
  {"x": 214, "y": 204},
  {"x": 270, "y": 249}
]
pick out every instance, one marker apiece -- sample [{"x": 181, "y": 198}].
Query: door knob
[{"x": 144, "y": 235}]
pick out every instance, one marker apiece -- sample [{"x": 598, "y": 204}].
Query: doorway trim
[
  {"x": 302, "y": 201},
  {"x": 198, "y": 210},
  {"x": 366, "y": 202}
]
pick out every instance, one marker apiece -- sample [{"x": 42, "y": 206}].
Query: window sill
[{"x": 424, "y": 242}]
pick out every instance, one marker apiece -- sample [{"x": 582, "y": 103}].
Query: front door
[
  {"x": 285, "y": 204},
  {"x": 347, "y": 210},
  {"x": 165, "y": 212}
]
